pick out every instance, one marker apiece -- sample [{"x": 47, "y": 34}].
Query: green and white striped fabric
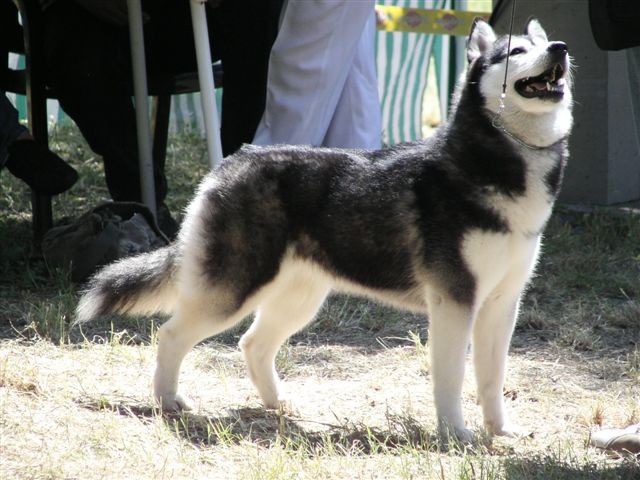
[
  {"x": 186, "y": 112},
  {"x": 403, "y": 61}
]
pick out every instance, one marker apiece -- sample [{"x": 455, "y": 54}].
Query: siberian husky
[{"x": 449, "y": 226}]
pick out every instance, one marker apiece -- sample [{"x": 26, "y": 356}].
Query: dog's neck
[{"x": 541, "y": 130}]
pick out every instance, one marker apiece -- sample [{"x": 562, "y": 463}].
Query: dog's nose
[{"x": 559, "y": 47}]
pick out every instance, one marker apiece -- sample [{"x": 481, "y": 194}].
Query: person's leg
[
  {"x": 88, "y": 63},
  {"x": 245, "y": 61},
  {"x": 10, "y": 128},
  {"x": 241, "y": 35},
  {"x": 308, "y": 67},
  {"x": 357, "y": 121},
  {"x": 33, "y": 163}
]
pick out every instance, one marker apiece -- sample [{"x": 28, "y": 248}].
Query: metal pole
[
  {"x": 205, "y": 77},
  {"x": 145, "y": 157}
]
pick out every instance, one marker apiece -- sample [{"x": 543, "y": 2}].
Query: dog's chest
[
  {"x": 491, "y": 256},
  {"x": 528, "y": 212}
]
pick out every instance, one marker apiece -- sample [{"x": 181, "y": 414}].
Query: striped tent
[
  {"x": 403, "y": 60},
  {"x": 186, "y": 112},
  {"x": 414, "y": 35}
]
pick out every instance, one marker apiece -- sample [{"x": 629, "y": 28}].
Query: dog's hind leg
[
  {"x": 449, "y": 331},
  {"x": 192, "y": 322},
  {"x": 287, "y": 310}
]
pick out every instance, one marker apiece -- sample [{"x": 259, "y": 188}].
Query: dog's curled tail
[{"x": 134, "y": 285}]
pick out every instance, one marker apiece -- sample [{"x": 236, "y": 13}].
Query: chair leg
[
  {"x": 37, "y": 110},
  {"x": 41, "y": 209},
  {"x": 42, "y": 217},
  {"x": 160, "y": 114}
]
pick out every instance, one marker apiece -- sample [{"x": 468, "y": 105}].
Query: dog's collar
[{"x": 496, "y": 122}]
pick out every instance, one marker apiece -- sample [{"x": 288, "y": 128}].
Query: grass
[{"x": 76, "y": 404}]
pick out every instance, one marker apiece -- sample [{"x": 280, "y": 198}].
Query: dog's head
[{"x": 538, "y": 79}]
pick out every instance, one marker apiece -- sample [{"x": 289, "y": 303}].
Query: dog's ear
[
  {"x": 481, "y": 39},
  {"x": 535, "y": 31}
]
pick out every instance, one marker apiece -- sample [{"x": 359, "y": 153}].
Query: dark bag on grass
[{"x": 106, "y": 233}]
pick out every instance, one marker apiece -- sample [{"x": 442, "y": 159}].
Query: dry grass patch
[{"x": 84, "y": 411}]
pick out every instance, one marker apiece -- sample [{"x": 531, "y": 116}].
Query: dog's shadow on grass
[{"x": 269, "y": 428}]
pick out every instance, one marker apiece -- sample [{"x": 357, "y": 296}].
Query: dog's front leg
[
  {"x": 449, "y": 331},
  {"x": 491, "y": 338}
]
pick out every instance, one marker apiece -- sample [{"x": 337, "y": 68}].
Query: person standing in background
[{"x": 321, "y": 86}]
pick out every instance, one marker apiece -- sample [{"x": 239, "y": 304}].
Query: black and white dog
[{"x": 449, "y": 226}]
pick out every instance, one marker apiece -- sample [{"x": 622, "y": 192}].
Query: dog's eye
[{"x": 517, "y": 51}]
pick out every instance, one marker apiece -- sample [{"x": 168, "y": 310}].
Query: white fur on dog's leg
[
  {"x": 260, "y": 356},
  {"x": 491, "y": 338},
  {"x": 449, "y": 331},
  {"x": 292, "y": 304},
  {"x": 190, "y": 324},
  {"x": 173, "y": 402},
  {"x": 448, "y": 433},
  {"x": 511, "y": 430}
]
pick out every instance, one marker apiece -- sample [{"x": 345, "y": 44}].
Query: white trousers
[{"x": 322, "y": 88}]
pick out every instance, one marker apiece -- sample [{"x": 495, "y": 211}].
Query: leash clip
[{"x": 497, "y": 118}]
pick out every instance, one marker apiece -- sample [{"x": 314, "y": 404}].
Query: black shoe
[{"x": 40, "y": 168}]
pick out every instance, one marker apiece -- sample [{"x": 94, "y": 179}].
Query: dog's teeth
[{"x": 548, "y": 86}]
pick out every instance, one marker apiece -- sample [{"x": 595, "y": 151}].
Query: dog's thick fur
[{"x": 449, "y": 226}]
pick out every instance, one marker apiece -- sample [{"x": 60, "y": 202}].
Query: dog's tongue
[{"x": 538, "y": 85}]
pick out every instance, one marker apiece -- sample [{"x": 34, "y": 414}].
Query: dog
[{"x": 449, "y": 226}]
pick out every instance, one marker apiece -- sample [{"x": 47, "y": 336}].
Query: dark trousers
[
  {"x": 89, "y": 66},
  {"x": 10, "y": 128}
]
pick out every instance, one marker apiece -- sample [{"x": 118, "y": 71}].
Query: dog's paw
[
  {"x": 510, "y": 430},
  {"x": 173, "y": 403},
  {"x": 271, "y": 405},
  {"x": 457, "y": 435},
  {"x": 283, "y": 405},
  {"x": 464, "y": 436}
]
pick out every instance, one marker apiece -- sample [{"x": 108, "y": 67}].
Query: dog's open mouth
[{"x": 549, "y": 85}]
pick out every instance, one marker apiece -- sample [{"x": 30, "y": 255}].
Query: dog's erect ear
[
  {"x": 481, "y": 39},
  {"x": 535, "y": 31}
]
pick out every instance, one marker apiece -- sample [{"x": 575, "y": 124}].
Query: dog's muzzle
[{"x": 549, "y": 85}]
